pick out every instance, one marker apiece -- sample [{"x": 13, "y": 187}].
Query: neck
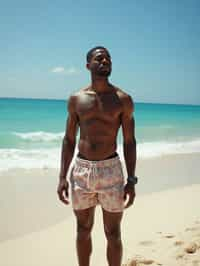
[{"x": 100, "y": 84}]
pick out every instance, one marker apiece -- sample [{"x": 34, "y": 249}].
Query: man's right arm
[{"x": 68, "y": 147}]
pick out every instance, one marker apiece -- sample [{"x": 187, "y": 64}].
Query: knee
[
  {"x": 113, "y": 236},
  {"x": 83, "y": 232}
]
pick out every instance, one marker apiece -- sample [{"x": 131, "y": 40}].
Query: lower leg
[
  {"x": 114, "y": 249},
  {"x": 112, "y": 228},
  {"x": 85, "y": 219},
  {"x": 84, "y": 247}
]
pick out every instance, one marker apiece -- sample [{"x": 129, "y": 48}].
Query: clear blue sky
[{"x": 154, "y": 44}]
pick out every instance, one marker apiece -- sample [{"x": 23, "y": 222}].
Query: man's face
[{"x": 100, "y": 63}]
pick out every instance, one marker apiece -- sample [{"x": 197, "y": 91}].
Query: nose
[{"x": 105, "y": 60}]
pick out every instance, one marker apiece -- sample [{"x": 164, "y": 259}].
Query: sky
[{"x": 154, "y": 44}]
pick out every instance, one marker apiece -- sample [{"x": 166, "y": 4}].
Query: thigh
[
  {"x": 82, "y": 197},
  {"x": 85, "y": 218},
  {"x": 112, "y": 221},
  {"x": 112, "y": 200},
  {"x": 111, "y": 192}
]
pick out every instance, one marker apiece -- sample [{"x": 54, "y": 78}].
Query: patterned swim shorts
[{"x": 97, "y": 182}]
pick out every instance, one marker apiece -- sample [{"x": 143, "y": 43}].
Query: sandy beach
[{"x": 162, "y": 228}]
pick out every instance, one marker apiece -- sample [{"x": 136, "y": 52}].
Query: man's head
[{"x": 99, "y": 61}]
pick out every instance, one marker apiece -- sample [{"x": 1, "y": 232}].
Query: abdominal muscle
[
  {"x": 100, "y": 149},
  {"x": 98, "y": 138}
]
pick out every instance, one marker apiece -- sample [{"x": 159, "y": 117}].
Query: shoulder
[
  {"x": 126, "y": 100},
  {"x": 74, "y": 98},
  {"x": 71, "y": 103}
]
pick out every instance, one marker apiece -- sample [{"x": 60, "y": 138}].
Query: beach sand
[{"x": 162, "y": 228}]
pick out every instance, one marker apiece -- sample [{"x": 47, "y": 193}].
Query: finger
[
  {"x": 66, "y": 192},
  {"x": 130, "y": 201},
  {"x": 128, "y": 204},
  {"x": 62, "y": 198}
]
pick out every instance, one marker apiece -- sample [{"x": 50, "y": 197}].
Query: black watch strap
[{"x": 132, "y": 180}]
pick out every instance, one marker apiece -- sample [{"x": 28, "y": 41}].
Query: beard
[{"x": 103, "y": 72}]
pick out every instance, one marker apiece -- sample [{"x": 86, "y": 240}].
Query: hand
[
  {"x": 129, "y": 190},
  {"x": 62, "y": 191}
]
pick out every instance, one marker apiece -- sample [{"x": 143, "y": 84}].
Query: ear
[{"x": 88, "y": 66}]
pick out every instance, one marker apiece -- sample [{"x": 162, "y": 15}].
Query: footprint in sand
[
  {"x": 145, "y": 262},
  {"x": 192, "y": 229},
  {"x": 169, "y": 236},
  {"x": 180, "y": 256},
  {"x": 146, "y": 243},
  {"x": 140, "y": 262},
  {"x": 130, "y": 263},
  {"x": 195, "y": 263}
]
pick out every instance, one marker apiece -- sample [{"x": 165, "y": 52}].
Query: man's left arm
[{"x": 129, "y": 148}]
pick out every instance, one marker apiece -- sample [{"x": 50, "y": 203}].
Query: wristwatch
[{"x": 132, "y": 180}]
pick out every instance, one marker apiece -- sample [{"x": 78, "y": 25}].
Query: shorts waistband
[{"x": 104, "y": 163}]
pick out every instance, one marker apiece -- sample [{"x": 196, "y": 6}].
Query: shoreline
[{"x": 49, "y": 158}]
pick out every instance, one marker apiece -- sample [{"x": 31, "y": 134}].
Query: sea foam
[
  {"x": 50, "y": 158},
  {"x": 40, "y": 136}
]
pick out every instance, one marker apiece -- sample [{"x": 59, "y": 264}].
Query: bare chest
[{"x": 99, "y": 106}]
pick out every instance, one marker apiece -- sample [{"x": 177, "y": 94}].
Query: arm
[
  {"x": 68, "y": 147},
  {"x": 129, "y": 146}
]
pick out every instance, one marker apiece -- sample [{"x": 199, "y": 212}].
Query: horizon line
[{"x": 61, "y": 99}]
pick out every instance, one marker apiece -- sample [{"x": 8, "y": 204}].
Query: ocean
[{"x": 31, "y": 131}]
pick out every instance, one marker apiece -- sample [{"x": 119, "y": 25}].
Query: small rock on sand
[
  {"x": 191, "y": 248},
  {"x": 178, "y": 243}
]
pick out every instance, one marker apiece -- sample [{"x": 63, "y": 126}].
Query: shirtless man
[{"x": 96, "y": 176}]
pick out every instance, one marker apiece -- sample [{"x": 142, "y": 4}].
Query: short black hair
[{"x": 91, "y": 51}]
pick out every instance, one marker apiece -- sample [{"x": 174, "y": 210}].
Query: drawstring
[
  {"x": 91, "y": 174},
  {"x": 91, "y": 167}
]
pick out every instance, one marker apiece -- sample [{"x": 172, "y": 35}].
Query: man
[{"x": 96, "y": 177}]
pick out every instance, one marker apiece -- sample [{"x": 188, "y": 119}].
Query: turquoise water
[
  {"x": 32, "y": 129},
  {"x": 167, "y": 122},
  {"x": 25, "y": 123}
]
